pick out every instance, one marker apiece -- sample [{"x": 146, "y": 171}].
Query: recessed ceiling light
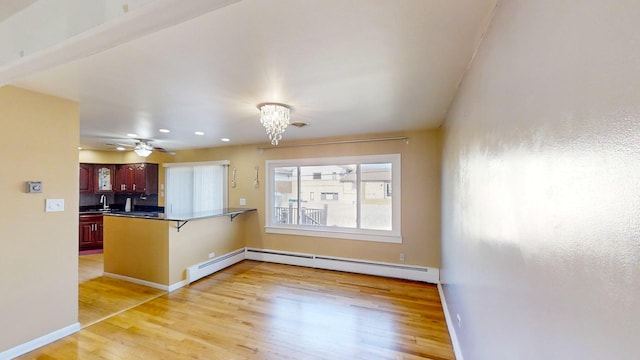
[
  {"x": 164, "y": 131},
  {"x": 199, "y": 133},
  {"x": 225, "y": 139},
  {"x": 120, "y": 148},
  {"x": 132, "y": 135}
]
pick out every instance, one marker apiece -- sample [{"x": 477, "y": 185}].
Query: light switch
[
  {"x": 53, "y": 205},
  {"x": 243, "y": 201}
]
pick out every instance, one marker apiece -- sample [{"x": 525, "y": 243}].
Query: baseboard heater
[
  {"x": 280, "y": 257},
  {"x": 419, "y": 273},
  {"x": 198, "y": 271}
]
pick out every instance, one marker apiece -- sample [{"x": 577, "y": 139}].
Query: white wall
[{"x": 541, "y": 185}]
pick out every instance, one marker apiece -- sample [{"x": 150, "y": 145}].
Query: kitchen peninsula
[{"x": 155, "y": 249}]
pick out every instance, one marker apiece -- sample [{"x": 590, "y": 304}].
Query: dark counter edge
[{"x": 233, "y": 212}]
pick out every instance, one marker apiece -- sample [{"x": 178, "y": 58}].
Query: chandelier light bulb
[{"x": 275, "y": 119}]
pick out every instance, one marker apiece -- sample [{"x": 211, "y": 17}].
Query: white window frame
[{"x": 389, "y": 236}]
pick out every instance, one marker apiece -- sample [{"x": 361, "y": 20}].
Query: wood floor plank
[
  {"x": 100, "y": 297},
  {"x": 256, "y": 310}
]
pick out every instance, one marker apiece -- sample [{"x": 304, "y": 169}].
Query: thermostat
[{"x": 34, "y": 186}]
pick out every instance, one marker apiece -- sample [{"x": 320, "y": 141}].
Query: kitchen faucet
[{"x": 103, "y": 201}]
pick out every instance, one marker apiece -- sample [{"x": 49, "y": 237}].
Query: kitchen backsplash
[{"x": 117, "y": 201}]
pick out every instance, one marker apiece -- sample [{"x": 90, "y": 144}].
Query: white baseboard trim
[
  {"x": 176, "y": 286},
  {"x": 410, "y": 272},
  {"x": 39, "y": 342},
  {"x": 450, "y": 325},
  {"x": 206, "y": 268},
  {"x": 141, "y": 282}
]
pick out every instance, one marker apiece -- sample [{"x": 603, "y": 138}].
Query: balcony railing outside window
[{"x": 291, "y": 216}]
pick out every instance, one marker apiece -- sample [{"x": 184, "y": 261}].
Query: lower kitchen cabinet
[{"x": 90, "y": 232}]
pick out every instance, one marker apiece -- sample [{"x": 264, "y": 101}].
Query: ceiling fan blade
[
  {"x": 138, "y": 142},
  {"x": 120, "y": 144},
  {"x": 163, "y": 150}
]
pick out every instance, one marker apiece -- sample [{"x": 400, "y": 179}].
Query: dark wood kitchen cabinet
[
  {"x": 104, "y": 178},
  {"x": 124, "y": 178},
  {"x": 86, "y": 178},
  {"x": 140, "y": 178},
  {"x": 90, "y": 231}
]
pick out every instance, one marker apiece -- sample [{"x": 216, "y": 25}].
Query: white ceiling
[
  {"x": 10, "y": 7},
  {"x": 347, "y": 67}
]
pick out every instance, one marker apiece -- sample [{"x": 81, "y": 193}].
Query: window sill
[{"x": 361, "y": 236}]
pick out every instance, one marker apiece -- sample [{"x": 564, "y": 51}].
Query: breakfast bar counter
[
  {"x": 154, "y": 249},
  {"x": 183, "y": 218}
]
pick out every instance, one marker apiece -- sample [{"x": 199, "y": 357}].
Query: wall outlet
[
  {"x": 243, "y": 201},
  {"x": 401, "y": 256},
  {"x": 212, "y": 255}
]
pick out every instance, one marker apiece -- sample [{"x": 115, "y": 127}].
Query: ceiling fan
[{"x": 143, "y": 147}]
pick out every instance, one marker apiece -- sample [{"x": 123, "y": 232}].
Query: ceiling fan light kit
[
  {"x": 275, "y": 119},
  {"x": 143, "y": 149}
]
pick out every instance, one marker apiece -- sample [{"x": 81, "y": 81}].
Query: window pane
[
  {"x": 337, "y": 204},
  {"x": 285, "y": 195},
  {"x": 376, "y": 207}
]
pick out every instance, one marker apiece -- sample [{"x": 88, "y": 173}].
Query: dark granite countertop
[{"x": 179, "y": 217}]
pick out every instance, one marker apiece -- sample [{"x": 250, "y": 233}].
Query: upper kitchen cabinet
[
  {"x": 141, "y": 178},
  {"x": 86, "y": 178},
  {"x": 104, "y": 178}
]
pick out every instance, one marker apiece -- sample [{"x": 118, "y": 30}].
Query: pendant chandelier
[{"x": 275, "y": 119}]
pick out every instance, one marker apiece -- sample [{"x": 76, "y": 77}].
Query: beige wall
[
  {"x": 38, "y": 250},
  {"x": 420, "y": 194},
  {"x": 541, "y": 189},
  {"x": 155, "y": 251},
  {"x": 193, "y": 243},
  {"x": 137, "y": 248},
  {"x": 420, "y": 197}
]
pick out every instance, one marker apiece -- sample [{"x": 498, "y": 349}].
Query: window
[
  {"x": 329, "y": 196},
  {"x": 195, "y": 188},
  {"x": 355, "y": 199}
]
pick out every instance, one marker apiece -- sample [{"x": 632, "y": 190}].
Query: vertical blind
[{"x": 195, "y": 188}]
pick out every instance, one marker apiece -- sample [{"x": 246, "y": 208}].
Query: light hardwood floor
[
  {"x": 100, "y": 297},
  {"x": 256, "y": 310}
]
